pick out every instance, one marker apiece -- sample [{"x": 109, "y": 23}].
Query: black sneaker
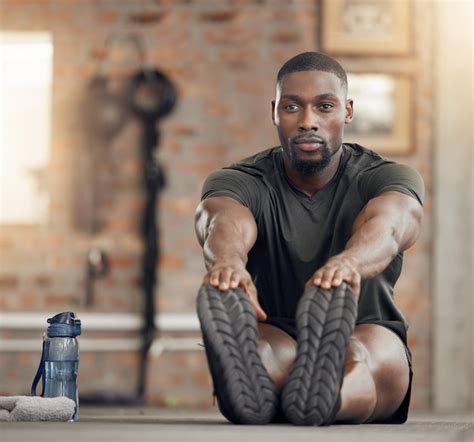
[
  {"x": 325, "y": 320},
  {"x": 245, "y": 392}
]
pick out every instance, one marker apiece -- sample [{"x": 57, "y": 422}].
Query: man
[{"x": 303, "y": 244}]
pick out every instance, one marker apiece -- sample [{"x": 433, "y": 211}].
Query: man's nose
[{"x": 309, "y": 120}]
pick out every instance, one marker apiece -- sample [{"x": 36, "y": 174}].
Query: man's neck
[{"x": 310, "y": 185}]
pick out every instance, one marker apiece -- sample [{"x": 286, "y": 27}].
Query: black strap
[{"x": 39, "y": 374}]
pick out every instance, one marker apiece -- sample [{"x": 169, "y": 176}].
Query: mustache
[{"x": 308, "y": 137}]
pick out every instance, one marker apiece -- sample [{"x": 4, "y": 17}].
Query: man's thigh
[
  {"x": 387, "y": 361},
  {"x": 277, "y": 350}
]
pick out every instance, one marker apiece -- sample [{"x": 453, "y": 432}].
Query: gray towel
[{"x": 36, "y": 408}]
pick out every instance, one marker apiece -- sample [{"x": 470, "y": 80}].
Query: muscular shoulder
[
  {"x": 262, "y": 164},
  {"x": 244, "y": 181},
  {"x": 375, "y": 175}
]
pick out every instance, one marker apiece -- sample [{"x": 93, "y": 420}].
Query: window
[{"x": 25, "y": 105}]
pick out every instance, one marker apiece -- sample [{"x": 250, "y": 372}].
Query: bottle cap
[{"x": 64, "y": 324}]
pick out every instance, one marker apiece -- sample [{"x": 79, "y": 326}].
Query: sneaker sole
[
  {"x": 245, "y": 392},
  {"x": 325, "y": 321}
]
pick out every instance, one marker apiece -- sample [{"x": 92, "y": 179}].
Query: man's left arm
[{"x": 388, "y": 224}]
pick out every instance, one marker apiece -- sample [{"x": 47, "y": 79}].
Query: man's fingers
[
  {"x": 261, "y": 315},
  {"x": 225, "y": 275},
  {"x": 214, "y": 278},
  {"x": 234, "y": 280},
  {"x": 227, "y": 278},
  {"x": 251, "y": 291},
  {"x": 223, "y": 278},
  {"x": 337, "y": 278},
  {"x": 333, "y": 273},
  {"x": 327, "y": 278},
  {"x": 317, "y": 277}
]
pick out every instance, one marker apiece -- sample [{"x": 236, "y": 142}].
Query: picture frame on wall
[
  {"x": 366, "y": 27},
  {"x": 383, "y": 112}
]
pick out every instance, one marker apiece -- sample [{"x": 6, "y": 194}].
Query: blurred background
[{"x": 103, "y": 102}]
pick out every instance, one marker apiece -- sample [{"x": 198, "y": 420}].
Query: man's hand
[
  {"x": 225, "y": 276},
  {"x": 339, "y": 268}
]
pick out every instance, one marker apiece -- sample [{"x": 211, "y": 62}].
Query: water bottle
[{"x": 60, "y": 359}]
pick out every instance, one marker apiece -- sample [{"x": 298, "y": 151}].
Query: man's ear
[
  {"x": 349, "y": 111},
  {"x": 273, "y": 112}
]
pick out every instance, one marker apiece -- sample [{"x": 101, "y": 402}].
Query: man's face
[{"x": 309, "y": 112}]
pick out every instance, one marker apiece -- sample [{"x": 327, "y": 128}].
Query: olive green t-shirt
[{"x": 297, "y": 233}]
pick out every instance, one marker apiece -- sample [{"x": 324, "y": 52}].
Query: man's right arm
[{"x": 227, "y": 231}]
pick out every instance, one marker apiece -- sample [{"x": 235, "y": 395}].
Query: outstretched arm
[
  {"x": 387, "y": 225},
  {"x": 227, "y": 231}
]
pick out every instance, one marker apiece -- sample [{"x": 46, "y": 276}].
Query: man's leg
[
  {"x": 277, "y": 349},
  {"x": 376, "y": 375},
  {"x": 376, "y": 372}
]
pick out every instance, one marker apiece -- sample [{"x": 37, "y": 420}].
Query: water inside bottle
[{"x": 60, "y": 380}]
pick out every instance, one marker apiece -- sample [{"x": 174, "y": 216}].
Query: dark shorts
[{"x": 288, "y": 325}]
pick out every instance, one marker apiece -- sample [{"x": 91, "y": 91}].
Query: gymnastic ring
[{"x": 151, "y": 95}]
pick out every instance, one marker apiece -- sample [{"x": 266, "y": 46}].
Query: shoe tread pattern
[
  {"x": 245, "y": 392},
  {"x": 325, "y": 321}
]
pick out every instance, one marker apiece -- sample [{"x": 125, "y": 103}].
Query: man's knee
[
  {"x": 386, "y": 359},
  {"x": 358, "y": 393}
]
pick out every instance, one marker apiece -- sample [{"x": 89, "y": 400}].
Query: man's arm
[
  {"x": 387, "y": 225},
  {"x": 227, "y": 231}
]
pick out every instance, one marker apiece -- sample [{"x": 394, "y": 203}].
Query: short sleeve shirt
[{"x": 297, "y": 233}]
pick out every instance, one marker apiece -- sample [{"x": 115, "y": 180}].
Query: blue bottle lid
[{"x": 64, "y": 324}]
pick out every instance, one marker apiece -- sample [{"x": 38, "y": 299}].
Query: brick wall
[{"x": 223, "y": 57}]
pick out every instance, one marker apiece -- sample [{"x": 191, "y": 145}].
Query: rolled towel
[{"x": 36, "y": 408}]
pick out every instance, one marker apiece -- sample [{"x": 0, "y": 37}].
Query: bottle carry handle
[{"x": 39, "y": 375}]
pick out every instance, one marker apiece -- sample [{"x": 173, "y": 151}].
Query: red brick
[
  {"x": 217, "y": 110},
  {"x": 171, "y": 262},
  {"x": 202, "y": 379},
  {"x": 232, "y": 36},
  {"x": 180, "y": 206},
  {"x": 183, "y": 130},
  {"x": 6, "y": 244},
  {"x": 43, "y": 281},
  {"x": 218, "y": 16},
  {"x": 146, "y": 17},
  {"x": 285, "y": 36},
  {"x": 215, "y": 149},
  {"x": 8, "y": 282},
  {"x": 122, "y": 262},
  {"x": 61, "y": 300}
]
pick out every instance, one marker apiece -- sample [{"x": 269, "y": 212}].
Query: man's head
[
  {"x": 313, "y": 61},
  {"x": 310, "y": 110}
]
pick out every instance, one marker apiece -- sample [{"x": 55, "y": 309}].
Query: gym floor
[{"x": 152, "y": 424}]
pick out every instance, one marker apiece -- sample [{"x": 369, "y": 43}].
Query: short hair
[{"x": 313, "y": 61}]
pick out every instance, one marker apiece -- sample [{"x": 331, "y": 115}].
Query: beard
[{"x": 308, "y": 167}]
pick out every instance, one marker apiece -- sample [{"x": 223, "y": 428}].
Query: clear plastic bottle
[{"x": 60, "y": 359}]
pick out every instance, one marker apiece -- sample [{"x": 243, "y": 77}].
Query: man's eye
[
  {"x": 326, "y": 106},
  {"x": 290, "y": 107}
]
